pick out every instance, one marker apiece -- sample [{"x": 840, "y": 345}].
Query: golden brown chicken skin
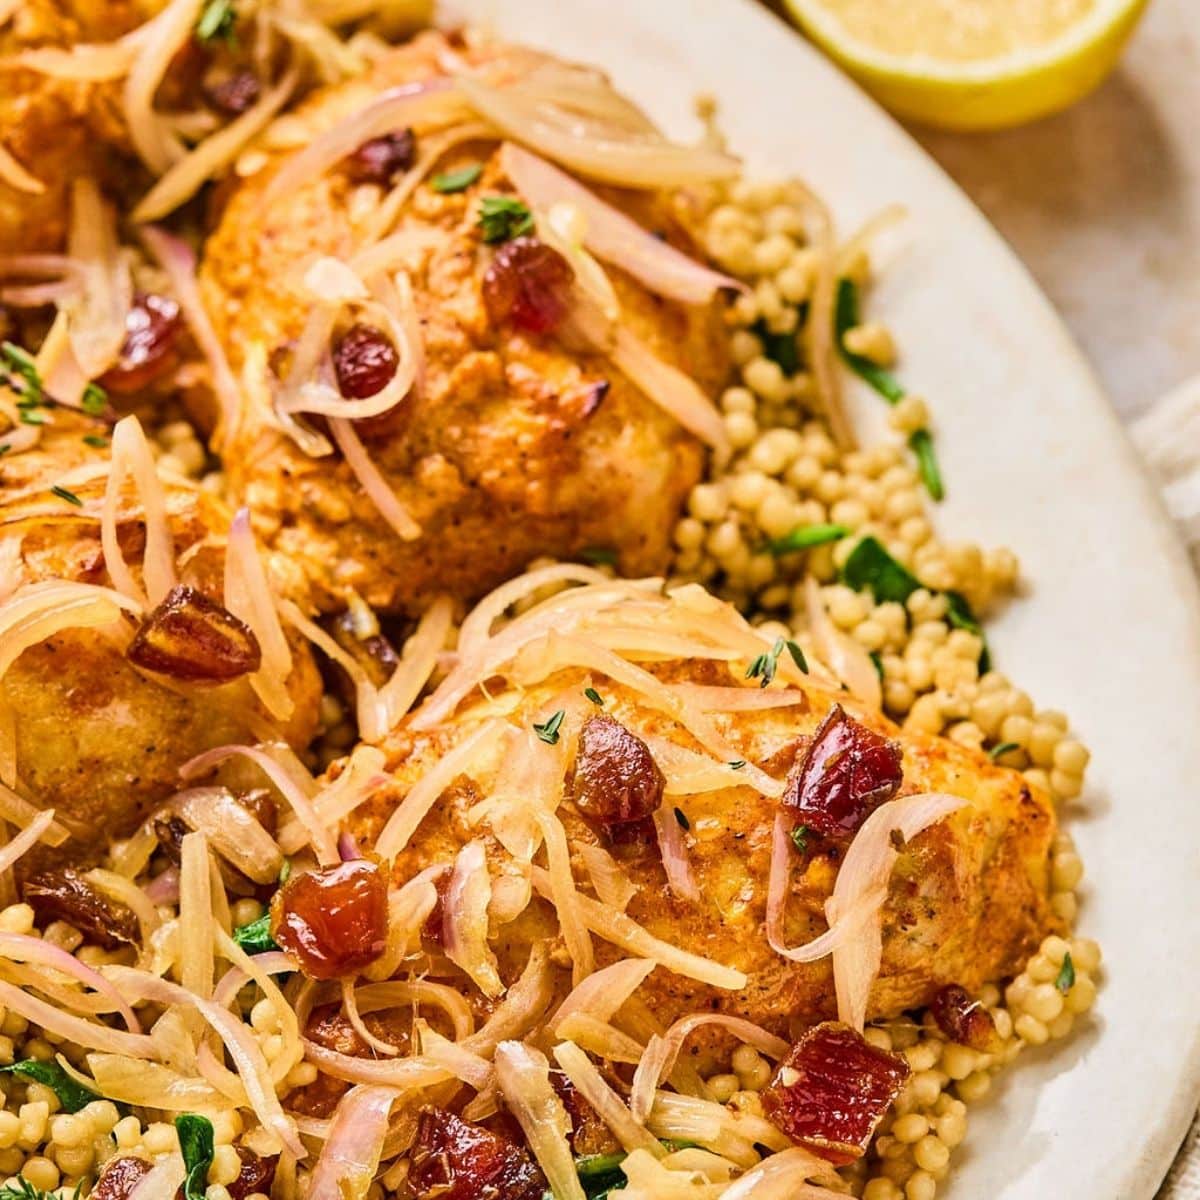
[
  {"x": 968, "y": 899},
  {"x": 97, "y": 739},
  {"x": 56, "y": 129},
  {"x": 516, "y": 448}
]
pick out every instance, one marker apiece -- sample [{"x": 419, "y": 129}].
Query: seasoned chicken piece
[
  {"x": 55, "y": 129},
  {"x": 98, "y": 739},
  {"x": 967, "y": 901},
  {"x": 512, "y": 447}
]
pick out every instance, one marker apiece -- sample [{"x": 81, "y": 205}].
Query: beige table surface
[
  {"x": 1102, "y": 202},
  {"x": 1103, "y": 205}
]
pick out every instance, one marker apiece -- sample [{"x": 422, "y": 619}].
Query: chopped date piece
[
  {"x": 192, "y": 638},
  {"x": 847, "y": 772},
  {"x": 616, "y": 777},
  {"x": 529, "y": 284},
  {"x": 152, "y": 328},
  {"x": 589, "y": 1133},
  {"x": 234, "y": 94},
  {"x": 964, "y": 1020},
  {"x": 832, "y": 1090},
  {"x": 257, "y": 1174},
  {"x": 634, "y": 833},
  {"x": 170, "y": 831},
  {"x": 332, "y": 920},
  {"x": 120, "y": 1177},
  {"x": 260, "y": 804},
  {"x": 364, "y": 361},
  {"x": 453, "y": 1159},
  {"x": 63, "y": 894},
  {"x": 381, "y": 159}
]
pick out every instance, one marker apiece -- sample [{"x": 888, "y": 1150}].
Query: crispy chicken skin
[
  {"x": 56, "y": 129},
  {"x": 515, "y": 449},
  {"x": 968, "y": 898},
  {"x": 96, "y": 739}
]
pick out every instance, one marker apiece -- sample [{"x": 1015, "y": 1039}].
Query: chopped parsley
[
  {"x": 599, "y": 556},
  {"x": 782, "y": 349},
  {"x": 5, "y": 448},
  {"x": 871, "y": 568},
  {"x": 594, "y": 696},
  {"x": 456, "y": 181},
  {"x": 71, "y": 1095},
  {"x": 737, "y": 764},
  {"x": 95, "y": 439},
  {"x": 217, "y": 21},
  {"x": 19, "y": 362},
  {"x": 549, "y": 731},
  {"x": 95, "y": 400},
  {"x": 764, "y": 666},
  {"x": 32, "y": 416},
  {"x": 503, "y": 217},
  {"x": 803, "y": 537},
  {"x": 255, "y": 937},
  {"x": 886, "y": 384},
  {"x": 196, "y": 1144},
  {"x": 285, "y": 872},
  {"x": 1065, "y": 980},
  {"x": 877, "y": 662},
  {"x": 69, "y": 497},
  {"x": 681, "y": 817},
  {"x": 799, "y": 837},
  {"x": 999, "y": 751}
]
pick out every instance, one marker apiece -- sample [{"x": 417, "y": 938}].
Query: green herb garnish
[
  {"x": 71, "y": 1095},
  {"x": 782, "y": 349},
  {"x": 19, "y": 1188},
  {"x": 255, "y": 938},
  {"x": 1065, "y": 980},
  {"x": 549, "y": 731},
  {"x": 797, "y": 655},
  {"x": 285, "y": 872},
  {"x": 5, "y": 448},
  {"x": 95, "y": 439},
  {"x": 196, "y": 1146},
  {"x": 737, "y": 764},
  {"x": 94, "y": 400},
  {"x": 999, "y": 751},
  {"x": 799, "y": 837},
  {"x": 877, "y": 662},
  {"x": 886, "y": 384},
  {"x": 594, "y": 696},
  {"x": 456, "y": 181},
  {"x": 681, "y": 817},
  {"x": 803, "y": 537},
  {"x": 921, "y": 444},
  {"x": 69, "y": 497},
  {"x": 592, "y": 1165},
  {"x": 871, "y": 568},
  {"x": 763, "y": 667},
  {"x": 32, "y": 416},
  {"x": 503, "y": 217},
  {"x": 218, "y": 20},
  {"x": 599, "y": 556},
  {"x": 21, "y": 363}
]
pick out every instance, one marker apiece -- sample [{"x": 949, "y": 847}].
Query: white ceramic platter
[{"x": 1033, "y": 457}]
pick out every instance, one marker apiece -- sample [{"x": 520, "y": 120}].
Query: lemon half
[{"x": 972, "y": 64}]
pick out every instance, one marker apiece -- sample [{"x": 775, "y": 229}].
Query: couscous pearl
[
  {"x": 975, "y": 1086},
  {"x": 1082, "y": 995},
  {"x": 40, "y": 1172},
  {"x": 911, "y": 1128},
  {"x": 722, "y": 1087},
  {"x": 931, "y": 1153},
  {"x": 1067, "y": 871},
  {"x": 741, "y": 429},
  {"x": 1030, "y": 1029},
  {"x": 1086, "y": 954}
]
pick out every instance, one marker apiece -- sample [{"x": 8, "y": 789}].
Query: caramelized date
[
  {"x": 382, "y": 158},
  {"x": 964, "y": 1020},
  {"x": 192, "y": 638},
  {"x": 332, "y": 920},
  {"x": 364, "y": 361},
  {"x": 832, "y": 1090},
  {"x": 529, "y": 284},
  {"x": 589, "y": 1133},
  {"x": 453, "y": 1159},
  {"x": 847, "y": 773},
  {"x": 120, "y": 1177},
  {"x": 257, "y": 1174},
  {"x": 152, "y": 328},
  {"x": 616, "y": 778},
  {"x": 64, "y": 895},
  {"x": 234, "y": 94}
]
